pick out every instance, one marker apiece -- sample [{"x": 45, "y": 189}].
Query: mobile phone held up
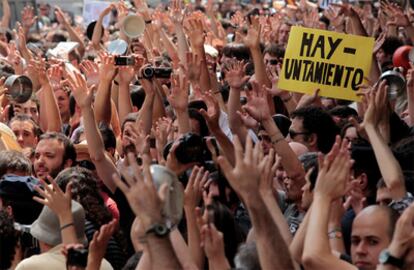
[{"x": 124, "y": 61}]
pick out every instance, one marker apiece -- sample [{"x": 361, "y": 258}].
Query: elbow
[
  {"x": 97, "y": 156},
  {"x": 311, "y": 261}
]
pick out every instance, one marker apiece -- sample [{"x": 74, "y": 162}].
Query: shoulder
[{"x": 39, "y": 261}]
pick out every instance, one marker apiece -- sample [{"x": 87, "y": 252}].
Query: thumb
[{"x": 162, "y": 192}]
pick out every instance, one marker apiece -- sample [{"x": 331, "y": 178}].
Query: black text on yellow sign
[{"x": 333, "y": 62}]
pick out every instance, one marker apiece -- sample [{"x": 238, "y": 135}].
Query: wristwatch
[
  {"x": 386, "y": 258},
  {"x": 160, "y": 230}
]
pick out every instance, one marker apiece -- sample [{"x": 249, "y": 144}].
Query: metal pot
[
  {"x": 396, "y": 83},
  {"x": 19, "y": 88},
  {"x": 174, "y": 201}
]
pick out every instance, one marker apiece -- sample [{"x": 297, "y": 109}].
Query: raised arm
[
  {"x": 333, "y": 177},
  {"x": 258, "y": 108},
  {"x": 236, "y": 78},
  {"x": 146, "y": 203},
  {"x": 177, "y": 16},
  {"x": 212, "y": 116},
  {"x": 5, "y": 20},
  {"x": 178, "y": 99},
  {"x": 73, "y": 35},
  {"x": 61, "y": 204},
  {"x": 107, "y": 71},
  {"x": 192, "y": 197},
  {"x": 97, "y": 31},
  {"x": 197, "y": 37},
  {"x": 388, "y": 164},
  {"x": 50, "y": 118},
  {"x": 104, "y": 165},
  {"x": 244, "y": 177},
  {"x": 267, "y": 193},
  {"x": 98, "y": 245}
]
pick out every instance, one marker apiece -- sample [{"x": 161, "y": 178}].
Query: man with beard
[{"x": 53, "y": 153}]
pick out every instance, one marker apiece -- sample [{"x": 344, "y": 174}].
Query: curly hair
[
  {"x": 85, "y": 191},
  {"x": 8, "y": 240}
]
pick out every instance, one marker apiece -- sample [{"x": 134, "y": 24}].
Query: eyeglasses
[
  {"x": 272, "y": 62},
  {"x": 293, "y": 133}
]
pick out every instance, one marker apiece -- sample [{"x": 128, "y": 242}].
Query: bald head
[
  {"x": 298, "y": 148},
  {"x": 371, "y": 233},
  {"x": 381, "y": 213}
]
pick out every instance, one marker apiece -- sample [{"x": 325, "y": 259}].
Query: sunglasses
[
  {"x": 272, "y": 62},
  {"x": 293, "y": 133}
]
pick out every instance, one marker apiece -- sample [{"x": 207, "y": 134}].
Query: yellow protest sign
[{"x": 334, "y": 62}]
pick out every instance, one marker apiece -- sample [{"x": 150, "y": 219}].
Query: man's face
[
  {"x": 63, "y": 102},
  {"x": 271, "y": 62},
  {"x": 24, "y": 132},
  {"x": 28, "y": 108},
  {"x": 384, "y": 196},
  {"x": 382, "y": 57},
  {"x": 127, "y": 144},
  {"x": 284, "y": 32},
  {"x": 49, "y": 158},
  {"x": 265, "y": 142},
  {"x": 293, "y": 188},
  {"x": 369, "y": 237}
]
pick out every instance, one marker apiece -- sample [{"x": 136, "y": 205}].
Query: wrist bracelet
[
  {"x": 148, "y": 22},
  {"x": 67, "y": 226},
  {"x": 115, "y": 82},
  {"x": 335, "y": 234},
  {"x": 276, "y": 139}
]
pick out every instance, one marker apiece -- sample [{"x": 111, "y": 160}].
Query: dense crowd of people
[{"x": 176, "y": 149}]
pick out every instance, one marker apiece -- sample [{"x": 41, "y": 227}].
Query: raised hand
[
  {"x": 196, "y": 35},
  {"x": 193, "y": 68},
  {"x": 61, "y": 17},
  {"x": 377, "y": 105},
  {"x": 244, "y": 177},
  {"x": 178, "y": 96},
  {"x": 53, "y": 197},
  {"x": 235, "y": 75},
  {"x": 257, "y": 105},
  {"x": 395, "y": 14},
  {"x": 28, "y": 17},
  {"x": 55, "y": 74},
  {"x": 403, "y": 237},
  {"x": 99, "y": 243},
  {"x": 81, "y": 92},
  {"x": 252, "y": 39},
  {"x": 194, "y": 190},
  {"x": 139, "y": 138},
  {"x": 107, "y": 68},
  {"x": 176, "y": 12},
  {"x": 213, "y": 242},
  {"x": 91, "y": 71},
  {"x": 212, "y": 115},
  {"x": 334, "y": 171},
  {"x": 39, "y": 69},
  {"x": 140, "y": 190}
]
